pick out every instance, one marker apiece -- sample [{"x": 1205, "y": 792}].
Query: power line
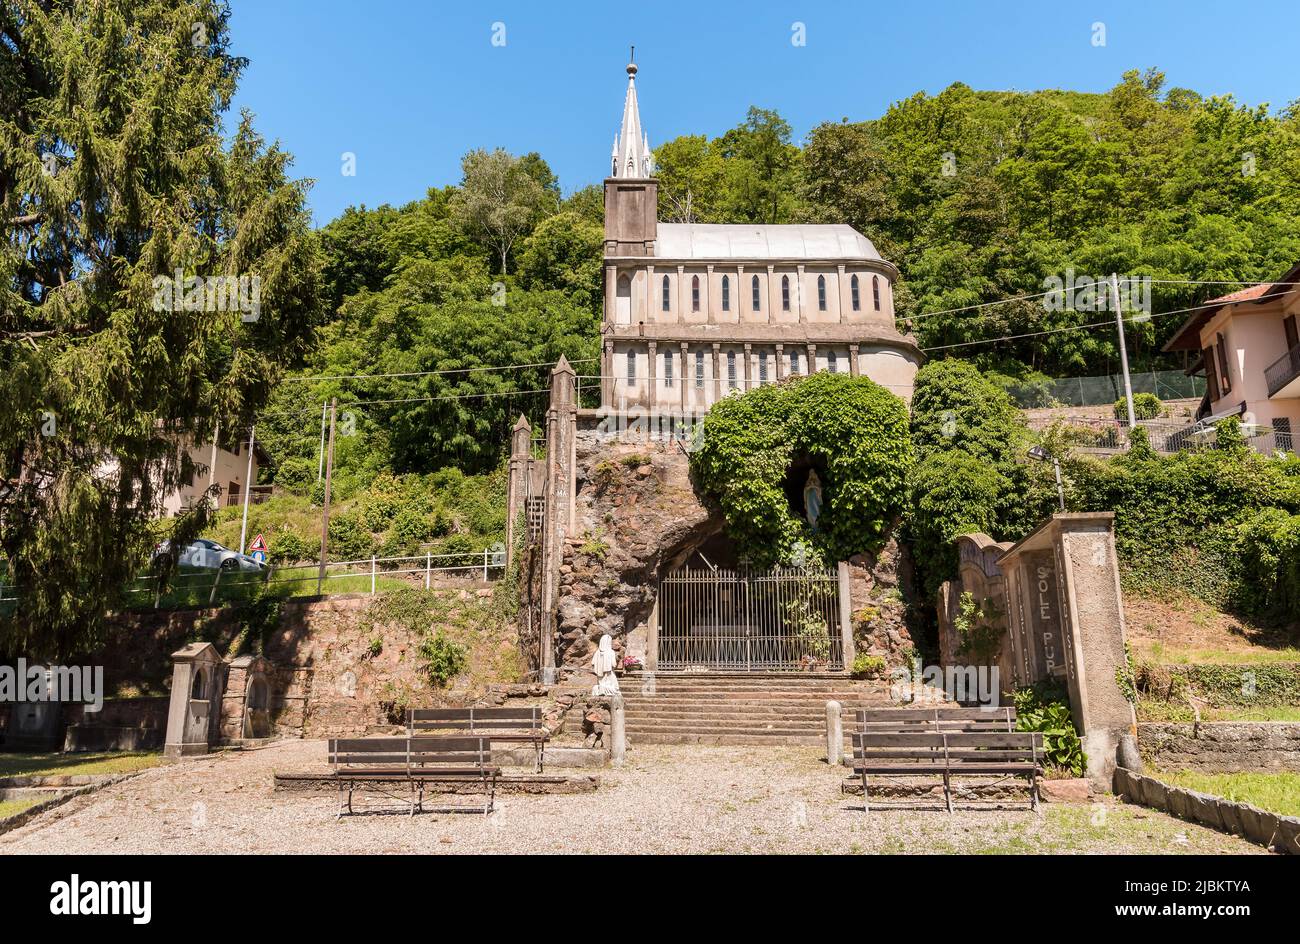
[{"x": 428, "y": 373}]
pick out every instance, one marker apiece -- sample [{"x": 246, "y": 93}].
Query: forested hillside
[{"x": 977, "y": 196}]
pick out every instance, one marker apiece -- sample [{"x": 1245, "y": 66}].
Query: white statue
[{"x": 603, "y": 665}]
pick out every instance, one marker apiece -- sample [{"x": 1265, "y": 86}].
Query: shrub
[
  {"x": 952, "y": 493},
  {"x": 348, "y": 538},
  {"x": 296, "y": 475},
  {"x": 867, "y": 666},
  {"x": 1146, "y": 406},
  {"x": 1045, "y": 707},
  {"x": 955, "y": 407},
  {"x": 442, "y": 659},
  {"x": 290, "y": 548}
]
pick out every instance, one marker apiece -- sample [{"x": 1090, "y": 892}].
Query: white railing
[{"x": 421, "y": 568}]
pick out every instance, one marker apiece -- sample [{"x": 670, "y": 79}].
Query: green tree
[
  {"x": 501, "y": 198},
  {"x": 113, "y": 179}
]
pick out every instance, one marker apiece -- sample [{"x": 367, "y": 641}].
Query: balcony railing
[{"x": 1283, "y": 370}]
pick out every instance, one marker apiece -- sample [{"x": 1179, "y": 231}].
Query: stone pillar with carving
[{"x": 561, "y": 462}]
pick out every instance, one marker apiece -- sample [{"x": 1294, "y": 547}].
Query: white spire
[{"x": 632, "y": 157}]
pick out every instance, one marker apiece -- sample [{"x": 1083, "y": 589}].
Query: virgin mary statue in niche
[{"x": 812, "y": 499}]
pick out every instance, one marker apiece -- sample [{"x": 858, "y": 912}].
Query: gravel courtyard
[{"x": 666, "y": 799}]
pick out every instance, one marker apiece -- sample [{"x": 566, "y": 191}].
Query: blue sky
[{"x": 409, "y": 86}]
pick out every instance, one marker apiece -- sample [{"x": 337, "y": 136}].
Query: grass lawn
[
  {"x": 13, "y": 807},
  {"x": 1155, "y": 709},
  {"x": 1275, "y": 792},
  {"x": 19, "y": 765}
]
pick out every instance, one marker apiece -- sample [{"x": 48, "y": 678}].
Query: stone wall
[
  {"x": 1221, "y": 746},
  {"x": 637, "y": 516}
]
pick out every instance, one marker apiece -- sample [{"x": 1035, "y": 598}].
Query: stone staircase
[{"x": 749, "y": 708}]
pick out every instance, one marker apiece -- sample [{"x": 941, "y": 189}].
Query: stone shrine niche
[{"x": 198, "y": 679}]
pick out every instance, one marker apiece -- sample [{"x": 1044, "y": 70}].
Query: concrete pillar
[
  {"x": 847, "y": 644},
  {"x": 651, "y": 307},
  {"x": 683, "y": 295},
  {"x": 834, "y": 734},
  {"x": 853, "y": 360},
  {"x": 748, "y": 375},
  {"x": 742, "y": 291},
  {"x": 611, "y": 294},
  {"x": 780, "y": 362},
  {"x": 799, "y": 292},
  {"x": 842, "y": 301},
  {"x": 561, "y": 461},
  {"x": 652, "y": 396},
  {"x": 687, "y": 378},
  {"x": 517, "y": 487},
  {"x": 717, "y": 372},
  {"x": 617, "y": 731},
  {"x": 812, "y": 359},
  {"x": 607, "y": 375}
]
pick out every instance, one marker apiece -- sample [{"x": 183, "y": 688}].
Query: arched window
[
  {"x": 875, "y": 292},
  {"x": 631, "y": 367},
  {"x": 794, "y": 362},
  {"x": 667, "y": 301},
  {"x": 199, "y": 690},
  {"x": 668, "y": 368},
  {"x": 699, "y": 368},
  {"x": 695, "y": 293},
  {"x": 726, "y": 294},
  {"x": 821, "y": 293},
  {"x": 785, "y": 293},
  {"x": 853, "y": 288},
  {"x": 762, "y": 367},
  {"x": 832, "y": 363},
  {"x": 731, "y": 367},
  {"x": 758, "y": 301}
]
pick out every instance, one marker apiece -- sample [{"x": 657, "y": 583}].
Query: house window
[
  {"x": 699, "y": 368},
  {"x": 668, "y": 368},
  {"x": 731, "y": 369},
  {"x": 695, "y": 293},
  {"x": 794, "y": 362},
  {"x": 1225, "y": 376},
  {"x": 821, "y": 293},
  {"x": 832, "y": 363},
  {"x": 853, "y": 287},
  {"x": 875, "y": 292},
  {"x": 758, "y": 301},
  {"x": 726, "y": 293},
  {"x": 631, "y": 368},
  {"x": 785, "y": 293},
  {"x": 667, "y": 306},
  {"x": 762, "y": 367}
]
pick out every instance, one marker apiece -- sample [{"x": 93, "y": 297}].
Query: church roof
[{"x": 750, "y": 241}]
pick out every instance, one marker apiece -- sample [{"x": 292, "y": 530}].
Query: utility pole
[
  {"x": 325, "y": 513},
  {"x": 320, "y": 466},
  {"x": 1123, "y": 349},
  {"x": 248, "y": 487}
]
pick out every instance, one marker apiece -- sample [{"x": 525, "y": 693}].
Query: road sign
[
  {"x": 259, "y": 556},
  {"x": 259, "y": 544}
]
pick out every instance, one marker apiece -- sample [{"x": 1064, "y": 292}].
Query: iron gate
[{"x": 780, "y": 620}]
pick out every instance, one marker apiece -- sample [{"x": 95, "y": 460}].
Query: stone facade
[{"x": 1221, "y": 746}]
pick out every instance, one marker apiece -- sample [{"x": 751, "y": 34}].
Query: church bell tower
[{"x": 631, "y": 191}]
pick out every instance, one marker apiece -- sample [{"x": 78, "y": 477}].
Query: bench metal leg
[
  {"x": 947, "y": 790},
  {"x": 339, "y": 815},
  {"x": 1033, "y": 793},
  {"x": 866, "y": 806}
]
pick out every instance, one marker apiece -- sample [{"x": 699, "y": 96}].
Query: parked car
[{"x": 204, "y": 554}]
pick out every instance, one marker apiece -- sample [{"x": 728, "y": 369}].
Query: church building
[{"x": 694, "y": 311}]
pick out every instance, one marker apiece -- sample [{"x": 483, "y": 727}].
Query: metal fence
[
  {"x": 784, "y": 619},
  {"x": 1084, "y": 434},
  {"x": 368, "y": 575},
  {"x": 1107, "y": 388}
]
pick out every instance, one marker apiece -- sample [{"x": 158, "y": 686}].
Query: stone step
[
  {"x": 735, "y": 740},
  {"x": 775, "y": 726},
  {"x": 718, "y": 697}
]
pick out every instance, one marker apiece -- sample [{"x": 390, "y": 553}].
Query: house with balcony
[{"x": 1248, "y": 345}]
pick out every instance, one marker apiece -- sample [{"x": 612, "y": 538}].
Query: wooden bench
[
  {"x": 415, "y": 761},
  {"x": 951, "y": 742},
  {"x": 498, "y": 725},
  {"x": 890, "y": 720}
]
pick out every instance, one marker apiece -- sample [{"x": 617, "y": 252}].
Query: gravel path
[{"x": 666, "y": 799}]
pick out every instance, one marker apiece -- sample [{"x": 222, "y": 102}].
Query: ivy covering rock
[{"x": 850, "y": 430}]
